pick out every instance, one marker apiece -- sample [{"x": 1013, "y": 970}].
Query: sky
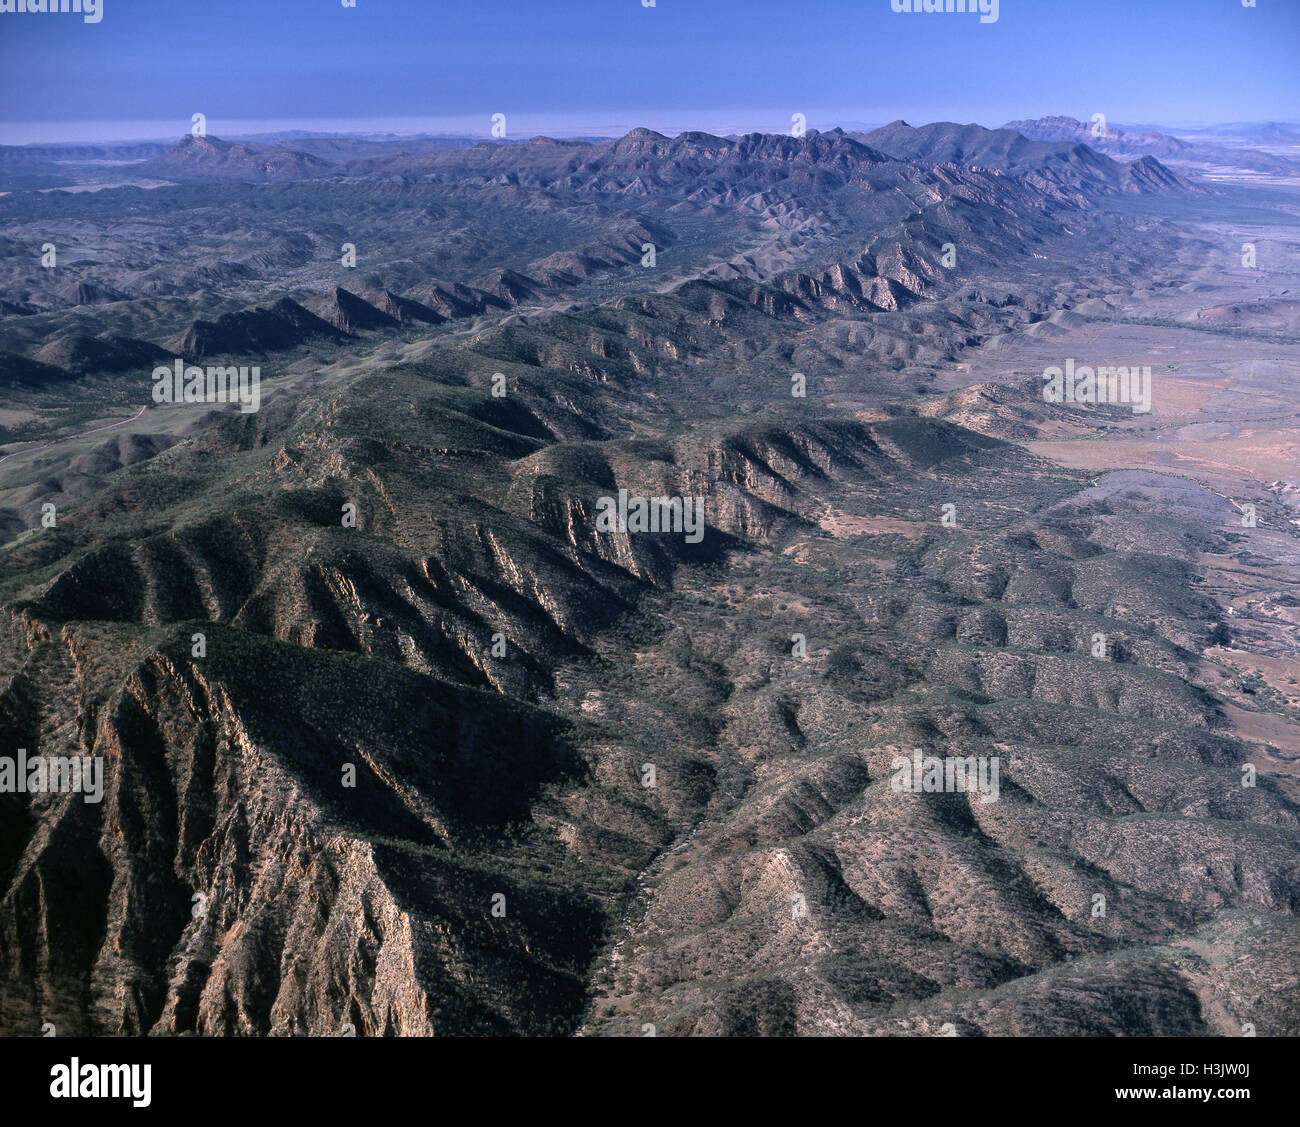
[{"x": 600, "y": 67}]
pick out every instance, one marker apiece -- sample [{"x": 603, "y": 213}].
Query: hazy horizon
[
  {"x": 576, "y": 67},
  {"x": 523, "y": 127}
]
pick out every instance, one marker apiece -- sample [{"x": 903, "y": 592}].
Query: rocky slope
[{"x": 400, "y": 739}]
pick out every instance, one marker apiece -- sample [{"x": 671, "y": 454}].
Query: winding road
[{"x": 74, "y": 437}]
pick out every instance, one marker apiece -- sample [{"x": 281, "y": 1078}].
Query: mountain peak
[
  {"x": 640, "y": 133},
  {"x": 210, "y": 158}
]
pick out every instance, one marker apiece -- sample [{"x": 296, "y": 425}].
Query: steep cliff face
[{"x": 281, "y": 850}]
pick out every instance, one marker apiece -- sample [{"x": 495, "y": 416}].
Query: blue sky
[{"x": 600, "y": 66}]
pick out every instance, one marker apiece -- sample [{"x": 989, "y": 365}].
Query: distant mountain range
[
  {"x": 1064, "y": 160},
  {"x": 207, "y": 159},
  {"x": 299, "y": 155},
  {"x": 1120, "y": 143},
  {"x": 784, "y": 184},
  {"x": 1106, "y": 138}
]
